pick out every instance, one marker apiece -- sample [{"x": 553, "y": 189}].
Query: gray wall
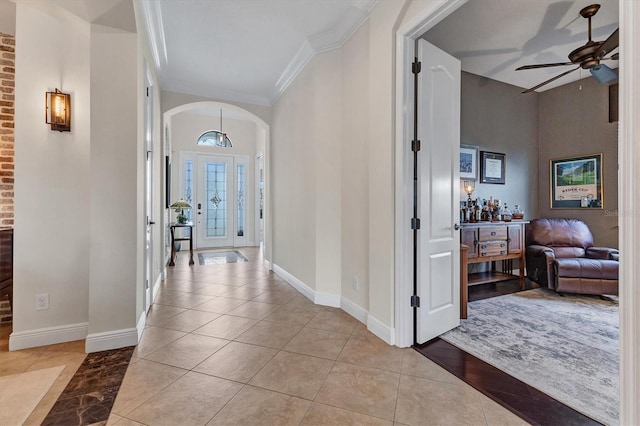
[
  {"x": 574, "y": 121},
  {"x": 496, "y": 117}
]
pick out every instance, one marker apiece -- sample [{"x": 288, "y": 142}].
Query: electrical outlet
[
  {"x": 42, "y": 302},
  {"x": 356, "y": 285}
]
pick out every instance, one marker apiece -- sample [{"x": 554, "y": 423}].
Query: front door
[
  {"x": 438, "y": 267},
  {"x": 214, "y": 201}
]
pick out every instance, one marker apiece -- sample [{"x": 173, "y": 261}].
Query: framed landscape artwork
[
  {"x": 468, "y": 162},
  {"x": 576, "y": 182},
  {"x": 492, "y": 167}
]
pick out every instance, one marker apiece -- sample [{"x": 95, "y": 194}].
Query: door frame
[{"x": 628, "y": 177}]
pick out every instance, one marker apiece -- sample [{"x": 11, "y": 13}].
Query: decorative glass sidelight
[
  {"x": 216, "y": 194},
  {"x": 241, "y": 199},
  {"x": 188, "y": 187}
]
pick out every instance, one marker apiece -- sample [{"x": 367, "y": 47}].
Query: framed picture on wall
[
  {"x": 468, "y": 162},
  {"x": 492, "y": 167},
  {"x": 576, "y": 182}
]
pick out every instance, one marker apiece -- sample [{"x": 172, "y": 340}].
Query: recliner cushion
[
  {"x": 587, "y": 268},
  {"x": 555, "y": 233}
]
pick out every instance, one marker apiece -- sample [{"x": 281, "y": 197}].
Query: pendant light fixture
[{"x": 224, "y": 140}]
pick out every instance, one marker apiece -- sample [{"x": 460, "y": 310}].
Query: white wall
[
  {"x": 52, "y": 188},
  {"x": 7, "y": 17},
  {"x": 115, "y": 156}
]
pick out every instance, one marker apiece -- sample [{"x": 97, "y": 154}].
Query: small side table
[{"x": 172, "y": 227}]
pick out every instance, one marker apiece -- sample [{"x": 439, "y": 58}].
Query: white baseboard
[
  {"x": 116, "y": 339},
  {"x": 267, "y": 265},
  {"x": 381, "y": 330},
  {"x": 326, "y": 299},
  {"x": 47, "y": 336},
  {"x": 142, "y": 322},
  {"x": 307, "y": 291},
  {"x": 354, "y": 310},
  {"x": 156, "y": 287}
]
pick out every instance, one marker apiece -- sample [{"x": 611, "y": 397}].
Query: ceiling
[{"x": 494, "y": 37}]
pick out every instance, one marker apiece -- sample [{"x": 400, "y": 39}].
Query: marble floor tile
[
  {"x": 293, "y": 374},
  {"x": 270, "y": 334},
  {"x": 188, "y": 351},
  {"x": 253, "y": 406},
  {"x": 323, "y": 415},
  {"x": 424, "y": 401},
  {"x": 191, "y": 400},
  {"x": 319, "y": 343},
  {"x": 370, "y": 351},
  {"x": 236, "y": 361},
  {"x": 361, "y": 389},
  {"x": 226, "y": 327}
]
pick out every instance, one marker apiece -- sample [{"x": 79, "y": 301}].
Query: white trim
[
  {"x": 142, "y": 323},
  {"x": 156, "y": 286},
  {"x": 629, "y": 208},
  {"x": 405, "y": 52},
  {"x": 267, "y": 264},
  {"x": 381, "y": 330},
  {"x": 326, "y": 299},
  {"x": 297, "y": 64},
  {"x": 97, "y": 342},
  {"x": 307, "y": 291},
  {"x": 354, "y": 310},
  {"x": 47, "y": 336}
]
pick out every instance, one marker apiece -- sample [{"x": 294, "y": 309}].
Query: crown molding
[{"x": 296, "y": 65}]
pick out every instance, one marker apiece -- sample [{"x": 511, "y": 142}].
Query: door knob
[
  {"x": 456, "y": 226},
  {"x": 152, "y": 223}
]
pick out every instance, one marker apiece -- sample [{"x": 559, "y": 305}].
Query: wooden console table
[
  {"x": 172, "y": 227},
  {"x": 492, "y": 242}
]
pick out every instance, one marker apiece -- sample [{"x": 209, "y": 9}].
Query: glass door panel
[{"x": 215, "y": 195}]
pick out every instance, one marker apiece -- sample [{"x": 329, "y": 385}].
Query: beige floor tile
[
  {"x": 320, "y": 343},
  {"x": 496, "y": 414},
  {"x": 187, "y": 351},
  {"x": 290, "y": 317},
  {"x": 254, "y": 310},
  {"x": 123, "y": 421},
  {"x": 424, "y": 401},
  {"x": 220, "y": 305},
  {"x": 153, "y": 338},
  {"x": 188, "y": 321},
  {"x": 323, "y": 415},
  {"x": 236, "y": 361},
  {"x": 187, "y": 300},
  {"x": 214, "y": 289},
  {"x": 226, "y": 327},
  {"x": 143, "y": 380},
  {"x": 274, "y": 296},
  {"x": 370, "y": 351},
  {"x": 270, "y": 334},
  {"x": 416, "y": 364},
  {"x": 334, "y": 320},
  {"x": 253, "y": 406},
  {"x": 191, "y": 400},
  {"x": 361, "y": 389},
  {"x": 293, "y": 374},
  {"x": 244, "y": 293},
  {"x": 159, "y": 313}
]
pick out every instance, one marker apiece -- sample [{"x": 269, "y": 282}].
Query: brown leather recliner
[{"x": 560, "y": 255}]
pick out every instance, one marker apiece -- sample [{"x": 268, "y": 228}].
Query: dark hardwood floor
[{"x": 527, "y": 402}]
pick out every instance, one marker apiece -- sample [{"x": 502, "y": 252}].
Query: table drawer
[
  {"x": 497, "y": 248},
  {"x": 497, "y": 233}
]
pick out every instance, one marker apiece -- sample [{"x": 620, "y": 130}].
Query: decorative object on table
[
  {"x": 492, "y": 167},
  {"x": 517, "y": 213},
  {"x": 576, "y": 182},
  {"x": 469, "y": 187},
  {"x": 180, "y": 206},
  {"x": 468, "y": 162}
]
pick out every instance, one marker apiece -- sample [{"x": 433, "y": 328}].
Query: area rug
[
  {"x": 564, "y": 346},
  {"x": 219, "y": 257},
  {"x": 21, "y": 393}
]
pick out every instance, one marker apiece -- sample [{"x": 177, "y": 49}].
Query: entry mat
[{"x": 220, "y": 257}]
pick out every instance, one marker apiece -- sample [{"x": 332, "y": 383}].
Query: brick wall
[{"x": 7, "y": 111}]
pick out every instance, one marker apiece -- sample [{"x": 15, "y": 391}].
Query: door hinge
[
  {"x": 415, "y": 223},
  {"x": 416, "y": 66},
  {"x": 415, "y": 301},
  {"x": 147, "y": 91},
  {"x": 415, "y": 146}
]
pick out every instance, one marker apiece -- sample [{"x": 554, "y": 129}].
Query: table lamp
[
  {"x": 469, "y": 187},
  {"x": 179, "y": 207}
]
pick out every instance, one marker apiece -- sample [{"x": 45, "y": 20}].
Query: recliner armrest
[
  {"x": 602, "y": 253},
  {"x": 536, "y": 250}
]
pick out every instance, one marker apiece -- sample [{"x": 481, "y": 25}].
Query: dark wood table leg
[
  {"x": 464, "y": 280},
  {"x": 173, "y": 247},
  {"x": 191, "y": 246}
]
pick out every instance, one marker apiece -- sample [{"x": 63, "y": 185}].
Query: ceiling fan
[{"x": 587, "y": 56}]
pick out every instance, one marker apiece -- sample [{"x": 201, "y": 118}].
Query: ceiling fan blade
[
  {"x": 550, "y": 80},
  {"x": 530, "y": 67},
  {"x": 608, "y": 45}
]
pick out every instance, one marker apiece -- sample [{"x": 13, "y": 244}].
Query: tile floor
[{"x": 233, "y": 344}]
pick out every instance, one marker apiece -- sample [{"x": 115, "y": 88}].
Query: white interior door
[
  {"x": 215, "y": 199},
  {"x": 438, "y": 193},
  {"x": 148, "y": 194}
]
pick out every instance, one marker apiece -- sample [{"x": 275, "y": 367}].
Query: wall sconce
[{"x": 58, "y": 111}]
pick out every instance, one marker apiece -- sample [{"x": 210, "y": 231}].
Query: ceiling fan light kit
[{"x": 587, "y": 56}]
